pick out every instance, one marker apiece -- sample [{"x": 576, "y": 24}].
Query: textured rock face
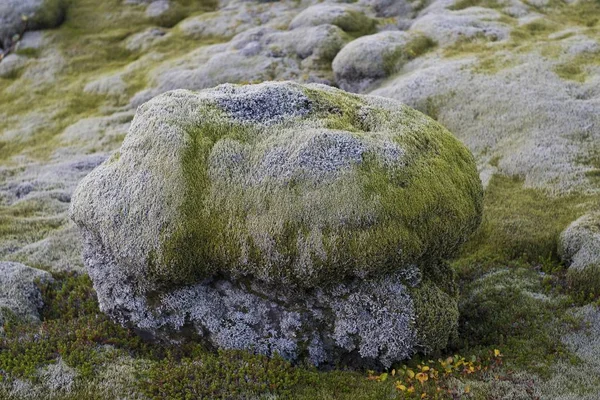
[
  {"x": 19, "y": 296},
  {"x": 284, "y": 218}
]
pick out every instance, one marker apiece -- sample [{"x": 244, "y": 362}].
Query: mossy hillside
[
  {"x": 520, "y": 311},
  {"x": 89, "y": 43},
  {"x": 533, "y": 37},
  {"x": 437, "y": 177},
  {"x": 515, "y": 292}
]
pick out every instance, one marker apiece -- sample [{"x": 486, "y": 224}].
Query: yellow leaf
[
  {"x": 410, "y": 373},
  {"x": 497, "y": 353},
  {"x": 423, "y": 395},
  {"x": 411, "y": 389},
  {"x": 425, "y": 369},
  {"x": 393, "y": 372},
  {"x": 383, "y": 377},
  {"x": 400, "y": 387},
  {"x": 421, "y": 377},
  {"x": 467, "y": 389}
]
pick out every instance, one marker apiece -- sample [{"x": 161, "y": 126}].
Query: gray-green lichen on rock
[{"x": 280, "y": 207}]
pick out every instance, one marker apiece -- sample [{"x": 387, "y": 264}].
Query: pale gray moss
[{"x": 369, "y": 59}]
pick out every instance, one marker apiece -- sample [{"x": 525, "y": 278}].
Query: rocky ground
[{"x": 518, "y": 82}]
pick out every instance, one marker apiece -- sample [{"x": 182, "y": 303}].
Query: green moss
[
  {"x": 416, "y": 47},
  {"x": 493, "y": 63},
  {"x": 577, "y": 68},
  {"x": 521, "y": 223},
  {"x": 356, "y": 23},
  {"x": 29, "y": 52},
  {"x": 512, "y": 309},
  {"x": 200, "y": 247},
  {"x": 337, "y": 111},
  {"x": 436, "y": 316},
  {"x": 227, "y": 375},
  {"x": 462, "y": 4},
  {"x": 415, "y": 197},
  {"x": 24, "y": 223}
]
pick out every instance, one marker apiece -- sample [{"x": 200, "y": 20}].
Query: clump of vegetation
[
  {"x": 73, "y": 328},
  {"x": 437, "y": 379},
  {"x": 584, "y": 284},
  {"x": 225, "y": 375}
]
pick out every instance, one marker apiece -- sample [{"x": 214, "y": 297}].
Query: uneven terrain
[{"x": 518, "y": 82}]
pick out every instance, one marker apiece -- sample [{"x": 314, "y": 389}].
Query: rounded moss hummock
[{"x": 280, "y": 188}]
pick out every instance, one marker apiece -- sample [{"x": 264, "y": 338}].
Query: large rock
[
  {"x": 19, "y": 295},
  {"x": 284, "y": 218},
  {"x": 369, "y": 59},
  {"x": 40, "y": 14},
  {"x": 347, "y": 17}
]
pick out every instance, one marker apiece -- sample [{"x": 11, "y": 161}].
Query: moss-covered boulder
[
  {"x": 279, "y": 217},
  {"x": 579, "y": 247},
  {"x": 366, "y": 61}
]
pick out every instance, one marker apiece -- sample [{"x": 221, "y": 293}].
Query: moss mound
[{"x": 286, "y": 183}]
